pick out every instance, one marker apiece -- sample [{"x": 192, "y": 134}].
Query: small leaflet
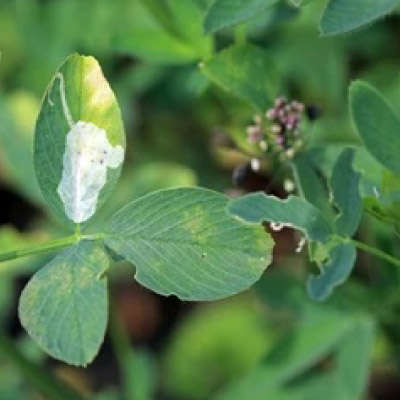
[{"x": 88, "y": 155}]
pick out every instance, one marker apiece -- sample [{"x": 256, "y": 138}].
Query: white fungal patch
[{"x": 88, "y": 155}]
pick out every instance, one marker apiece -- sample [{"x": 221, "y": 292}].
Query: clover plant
[
  {"x": 263, "y": 96},
  {"x": 181, "y": 241}
]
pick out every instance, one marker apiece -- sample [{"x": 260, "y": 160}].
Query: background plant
[{"x": 188, "y": 99}]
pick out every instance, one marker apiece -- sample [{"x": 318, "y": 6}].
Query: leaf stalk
[{"x": 50, "y": 246}]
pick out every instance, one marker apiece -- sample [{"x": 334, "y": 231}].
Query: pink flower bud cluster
[
  {"x": 280, "y": 132},
  {"x": 285, "y": 116}
]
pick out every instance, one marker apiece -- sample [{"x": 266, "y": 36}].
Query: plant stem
[
  {"x": 123, "y": 350},
  {"x": 297, "y": 181},
  {"x": 53, "y": 245},
  {"x": 373, "y": 250},
  {"x": 136, "y": 373},
  {"x": 45, "y": 382}
]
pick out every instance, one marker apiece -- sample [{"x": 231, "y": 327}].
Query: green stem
[
  {"x": 48, "y": 247},
  {"x": 297, "y": 180},
  {"x": 43, "y": 381},
  {"x": 123, "y": 350},
  {"x": 118, "y": 335},
  {"x": 137, "y": 383},
  {"x": 373, "y": 250}
]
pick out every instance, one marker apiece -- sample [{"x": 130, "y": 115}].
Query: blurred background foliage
[{"x": 184, "y": 129}]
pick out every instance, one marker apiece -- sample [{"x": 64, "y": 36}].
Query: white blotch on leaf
[{"x": 88, "y": 154}]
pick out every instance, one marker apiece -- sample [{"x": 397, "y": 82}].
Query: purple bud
[{"x": 292, "y": 119}]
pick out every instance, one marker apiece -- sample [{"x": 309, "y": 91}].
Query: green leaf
[
  {"x": 312, "y": 388},
  {"x": 166, "y": 32},
  {"x": 295, "y": 368},
  {"x": 79, "y": 140},
  {"x": 346, "y": 196},
  {"x": 312, "y": 183},
  {"x": 344, "y": 381},
  {"x": 183, "y": 242},
  {"x": 225, "y": 13},
  {"x": 377, "y": 124},
  {"x": 211, "y": 327},
  {"x": 137, "y": 367},
  {"x": 333, "y": 273},
  {"x": 17, "y": 116},
  {"x": 159, "y": 175},
  {"x": 235, "y": 68},
  {"x": 139, "y": 371},
  {"x": 313, "y": 338},
  {"x": 379, "y": 188},
  {"x": 64, "y": 307},
  {"x": 38, "y": 377},
  {"x": 293, "y": 212},
  {"x": 299, "y": 3},
  {"x": 355, "y": 349},
  {"x": 346, "y": 15},
  {"x": 203, "y": 4},
  {"x": 281, "y": 291},
  {"x": 161, "y": 13}
]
